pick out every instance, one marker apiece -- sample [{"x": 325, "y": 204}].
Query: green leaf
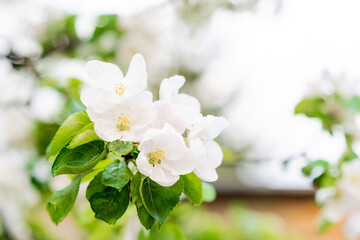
[
  {"x": 144, "y": 216},
  {"x": 110, "y": 204},
  {"x": 86, "y": 135},
  {"x": 159, "y": 200},
  {"x": 62, "y": 201},
  {"x": 311, "y": 107},
  {"x": 352, "y": 103},
  {"x": 119, "y": 149},
  {"x": 116, "y": 175},
  {"x": 307, "y": 170},
  {"x": 71, "y": 126},
  {"x": 79, "y": 159},
  {"x": 95, "y": 186},
  {"x": 97, "y": 169},
  {"x": 209, "y": 192},
  {"x": 192, "y": 187},
  {"x": 323, "y": 225}
]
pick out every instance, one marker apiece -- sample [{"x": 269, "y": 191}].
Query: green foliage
[
  {"x": 209, "y": 192},
  {"x": 349, "y": 153},
  {"x": 79, "y": 159},
  {"x": 95, "y": 186},
  {"x": 159, "y": 200},
  {"x": 59, "y": 35},
  {"x": 119, "y": 149},
  {"x": 323, "y": 225},
  {"x": 116, "y": 175},
  {"x": 110, "y": 204},
  {"x": 71, "y": 127},
  {"x": 324, "y": 171},
  {"x": 144, "y": 216},
  {"x": 325, "y": 109},
  {"x": 311, "y": 107},
  {"x": 62, "y": 201},
  {"x": 352, "y": 103},
  {"x": 308, "y": 169},
  {"x": 85, "y": 135},
  {"x": 192, "y": 187}
]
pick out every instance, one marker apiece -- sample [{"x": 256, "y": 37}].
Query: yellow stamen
[
  {"x": 156, "y": 156},
  {"x": 120, "y": 88},
  {"x": 123, "y": 122}
]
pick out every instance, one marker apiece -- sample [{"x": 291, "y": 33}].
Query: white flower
[
  {"x": 108, "y": 84},
  {"x": 179, "y": 109},
  {"x": 126, "y": 121},
  {"x": 352, "y": 225},
  {"x": 343, "y": 200},
  {"x": 163, "y": 156},
  {"x": 207, "y": 153}
]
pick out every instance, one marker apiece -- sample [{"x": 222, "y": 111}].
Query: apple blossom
[
  {"x": 207, "y": 153},
  {"x": 163, "y": 156},
  {"x": 126, "y": 121},
  {"x": 107, "y": 83},
  {"x": 342, "y": 201},
  {"x": 179, "y": 109}
]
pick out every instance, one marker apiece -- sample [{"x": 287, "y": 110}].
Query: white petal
[
  {"x": 352, "y": 225},
  {"x": 164, "y": 177},
  {"x": 136, "y": 78},
  {"x": 143, "y": 164},
  {"x": 208, "y": 127},
  {"x": 207, "y": 156},
  {"x": 107, "y": 130},
  {"x": 335, "y": 210},
  {"x": 183, "y": 165},
  {"x": 178, "y": 124},
  {"x": 188, "y": 114},
  {"x": 324, "y": 195},
  {"x": 214, "y": 154},
  {"x": 169, "y": 87},
  {"x": 198, "y": 149},
  {"x": 206, "y": 173},
  {"x": 156, "y": 173},
  {"x": 105, "y": 124},
  {"x": 96, "y": 99},
  {"x": 103, "y": 75},
  {"x": 164, "y": 115},
  {"x": 142, "y": 110},
  {"x": 189, "y": 101}
]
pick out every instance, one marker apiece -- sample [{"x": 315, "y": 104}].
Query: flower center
[
  {"x": 123, "y": 122},
  {"x": 156, "y": 156},
  {"x": 120, "y": 88}
]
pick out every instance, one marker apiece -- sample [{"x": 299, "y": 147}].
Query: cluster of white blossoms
[
  {"x": 174, "y": 137},
  {"x": 342, "y": 202}
]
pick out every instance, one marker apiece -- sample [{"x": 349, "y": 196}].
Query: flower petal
[
  {"x": 183, "y": 165},
  {"x": 107, "y": 130},
  {"x": 103, "y": 75},
  {"x": 214, "y": 154},
  {"x": 208, "y": 128},
  {"x": 206, "y": 173},
  {"x": 156, "y": 173},
  {"x": 164, "y": 114},
  {"x": 189, "y": 101},
  {"x": 96, "y": 99},
  {"x": 169, "y": 87},
  {"x": 136, "y": 77}
]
